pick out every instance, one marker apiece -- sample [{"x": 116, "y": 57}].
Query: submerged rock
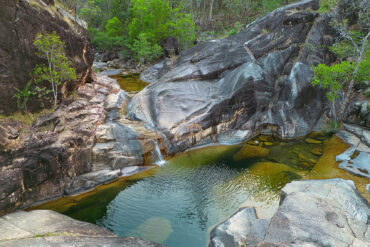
[
  {"x": 230, "y": 89},
  {"x": 250, "y": 151},
  {"x": 311, "y": 213},
  {"x": 48, "y": 228},
  {"x": 313, "y": 141}
]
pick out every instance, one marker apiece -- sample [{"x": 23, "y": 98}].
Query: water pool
[{"x": 178, "y": 203}]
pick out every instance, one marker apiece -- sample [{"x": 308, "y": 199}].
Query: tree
[
  {"x": 339, "y": 79},
  {"x": 351, "y": 48},
  {"x": 58, "y": 68},
  {"x": 158, "y": 21},
  {"x": 114, "y": 27}
]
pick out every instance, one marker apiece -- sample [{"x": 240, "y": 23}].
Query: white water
[{"x": 159, "y": 158}]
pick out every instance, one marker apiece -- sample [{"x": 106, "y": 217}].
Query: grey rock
[
  {"x": 360, "y": 165},
  {"x": 114, "y": 101},
  {"x": 242, "y": 228},
  {"x": 320, "y": 213},
  {"x": 117, "y": 147},
  {"x": 44, "y": 228},
  {"x": 255, "y": 81},
  {"x": 311, "y": 213},
  {"x": 111, "y": 72},
  {"x": 99, "y": 65},
  {"x": 356, "y": 158}
]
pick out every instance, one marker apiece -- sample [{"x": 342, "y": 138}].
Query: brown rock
[
  {"x": 249, "y": 151},
  {"x": 20, "y": 22}
]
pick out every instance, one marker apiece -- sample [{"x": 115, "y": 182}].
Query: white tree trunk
[
  {"x": 211, "y": 10},
  {"x": 352, "y": 82}
]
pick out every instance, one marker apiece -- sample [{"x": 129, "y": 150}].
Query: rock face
[
  {"x": 311, "y": 213},
  {"x": 68, "y": 150},
  {"x": 48, "y": 228},
  {"x": 356, "y": 158},
  {"x": 241, "y": 227},
  {"x": 20, "y": 23},
  {"x": 230, "y": 89}
]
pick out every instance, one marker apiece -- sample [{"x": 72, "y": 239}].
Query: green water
[
  {"x": 178, "y": 203},
  {"x": 130, "y": 83}
]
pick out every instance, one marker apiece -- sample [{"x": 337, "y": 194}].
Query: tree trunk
[
  {"x": 211, "y": 10},
  {"x": 334, "y": 112},
  {"x": 351, "y": 83}
]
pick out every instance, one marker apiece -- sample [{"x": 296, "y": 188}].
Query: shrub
[{"x": 144, "y": 50}]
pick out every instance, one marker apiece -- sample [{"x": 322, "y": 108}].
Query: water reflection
[{"x": 178, "y": 203}]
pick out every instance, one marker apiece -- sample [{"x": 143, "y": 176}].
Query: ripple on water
[{"x": 178, "y": 203}]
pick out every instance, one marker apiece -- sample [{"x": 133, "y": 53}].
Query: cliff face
[{"x": 20, "y": 22}]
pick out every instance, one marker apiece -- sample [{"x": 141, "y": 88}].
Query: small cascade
[{"x": 157, "y": 156}]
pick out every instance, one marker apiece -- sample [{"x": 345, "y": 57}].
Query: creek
[{"x": 178, "y": 203}]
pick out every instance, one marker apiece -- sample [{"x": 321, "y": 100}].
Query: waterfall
[{"x": 157, "y": 155}]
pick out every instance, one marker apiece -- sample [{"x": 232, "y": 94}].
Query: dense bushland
[{"x": 139, "y": 27}]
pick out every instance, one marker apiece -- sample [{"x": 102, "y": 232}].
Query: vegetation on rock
[
  {"x": 57, "y": 70},
  {"x": 145, "y": 24},
  {"x": 353, "y": 63}
]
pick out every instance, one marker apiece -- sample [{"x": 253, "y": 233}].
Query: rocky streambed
[
  {"x": 179, "y": 203},
  {"x": 219, "y": 92}
]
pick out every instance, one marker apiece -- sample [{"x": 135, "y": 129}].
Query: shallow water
[
  {"x": 130, "y": 83},
  {"x": 177, "y": 204}
]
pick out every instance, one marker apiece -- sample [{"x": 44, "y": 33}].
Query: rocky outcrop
[
  {"x": 75, "y": 148},
  {"x": 20, "y": 23},
  {"x": 311, "y": 213},
  {"x": 228, "y": 90},
  {"x": 356, "y": 158},
  {"x": 48, "y": 228}
]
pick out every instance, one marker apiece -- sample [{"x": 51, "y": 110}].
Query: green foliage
[
  {"x": 327, "y": 5},
  {"x": 345, "y": 49},
  {"x": 111, "y": 37},
  {"x": 58, "y": 68},
  {"x": 144, "y": 50},
  {"x": 23, "y": 96},
  {"x": 114, "y": 27},
  {"x": 157, "y": 20},
  {"x": 92, "y": 13},
  {"x": 236, "y": 29},
  {"x": 335, "y": 77},
  {"x": 332, "y": 77}
]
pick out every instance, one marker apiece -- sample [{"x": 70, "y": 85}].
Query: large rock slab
[
  {"x": 243, "y": 227},
  {"x": 230, "y": 89},
  {"x": 311, "y": 213},
  {"x": 356, "y": 159},
  {"x": 43, "y": 228}
]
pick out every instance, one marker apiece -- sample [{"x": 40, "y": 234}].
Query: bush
[
  {"x": 158, "y": 21},
  {"x": 111, "y": 37},
  {"x": 236, "y": 29},
  {"x": 144, "y": 50},
  {"x": 114, "y": 27}
]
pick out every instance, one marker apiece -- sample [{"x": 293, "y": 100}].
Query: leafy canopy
[
  {"x": 158, "y": 20},
  {"x": 335, "y": 77}
]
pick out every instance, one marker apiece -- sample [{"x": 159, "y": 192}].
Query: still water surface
[{"x": 178, "y": 204}]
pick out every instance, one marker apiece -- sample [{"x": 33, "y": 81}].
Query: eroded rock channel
[{"x": 218, "y": 93}]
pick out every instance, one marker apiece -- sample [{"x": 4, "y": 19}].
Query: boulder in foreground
[
  {"x": 49, "y": 228},
  {"x": 311, "y": 213}
]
